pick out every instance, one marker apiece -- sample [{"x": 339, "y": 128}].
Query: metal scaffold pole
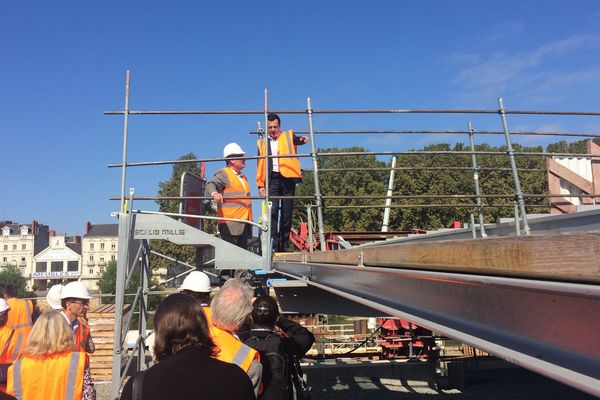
[
  {"x": 125, "y": 132},
  {"x": 269, "y": 205},
  {"x": 388, "y": 200},
  {"x": 318, "y": 198},
  {"x": 476, "y": 180},
  {"x": 513, "y": 165}
]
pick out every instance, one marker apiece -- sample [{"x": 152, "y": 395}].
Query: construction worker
[
  {"x": 229, "y": 182},
  {"x": 75, "y": 301},
  {"x": 284, "y": 174},
  {"x": 231, "y": 308},
  {"x": 49, "y": 367},
  {"x": 197, "y": 285},
  {"x": 20, "y": 317}
]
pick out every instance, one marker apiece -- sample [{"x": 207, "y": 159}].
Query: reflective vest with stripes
[
  {"x": 81, "y": 335},
  {"x": 20, "y": 319},
  {"x": 208, "y": 314},
  {"x": 58, "y": 377},
  {"x": 235, "y": 208},
  {"x": 231, "y": 350},
  {"x": 289, "y": 167},
  {"x": 7, "y": 348}
]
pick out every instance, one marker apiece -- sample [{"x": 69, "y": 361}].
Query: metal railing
[{"x": 126, "y": 271}]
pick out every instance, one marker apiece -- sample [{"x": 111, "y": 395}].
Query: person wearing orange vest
[
  {"x": 75, "y": 301},
  {"x": 284, "y": 174},
  {"x": 231, "y": 308},
  {"x": 7, "y": 339},
  {"x": 49, "y": 368},
  {"x": 229, "y": 189},
  {"x": 20, "y": 317}
]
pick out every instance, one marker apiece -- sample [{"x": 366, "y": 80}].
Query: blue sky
[{"x": 63, "y": 64}]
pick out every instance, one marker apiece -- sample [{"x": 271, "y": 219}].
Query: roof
[
  {"x": 103, "y": 230},
  {"x": 76, "y": 247},
  {"x": 14, "y": 227}
]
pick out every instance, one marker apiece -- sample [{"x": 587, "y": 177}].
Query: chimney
[
  {"x": 51, "y": 233},
  {"x": 88, "y": 227},
  {"x": 75, "y": 239}
]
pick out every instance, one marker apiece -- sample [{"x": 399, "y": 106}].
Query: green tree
[
  {"x": 108, "y": 283},
  {"x": 169, "y": 188},
  {"x": 11, "y": 275}
]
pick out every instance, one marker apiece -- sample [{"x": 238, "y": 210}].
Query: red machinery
[{"x": 400, "y": 338}]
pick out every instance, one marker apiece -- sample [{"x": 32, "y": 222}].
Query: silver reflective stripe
[
  {"x": 17, "y": 346},
  {"x": 18, "y": 385},
  {"x": 234, "y": 194},
  {"x": 240, "y": 356},
  {"x": 290, "y": 141},
  {"x": 28, "y": 307},
  {"x": 234, "y": 205},
  {"x": 72, "y": 375}
]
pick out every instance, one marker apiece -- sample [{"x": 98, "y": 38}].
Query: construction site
[{"x": 421, "y": 310}]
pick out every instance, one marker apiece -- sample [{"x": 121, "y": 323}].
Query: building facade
[
  {"x": 19, "y": 244},
  {"x": 57, "y": 263},
  {"x": 99, "y": 247}
]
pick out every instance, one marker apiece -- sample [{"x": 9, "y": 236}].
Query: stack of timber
[{"x": 102, "y": 324}]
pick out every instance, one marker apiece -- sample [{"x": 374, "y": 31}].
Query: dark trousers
[
  {"x": 281, "y": 213},
  {"x": 238, "y": 240}
]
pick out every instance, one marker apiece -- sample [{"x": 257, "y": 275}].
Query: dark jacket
[
  {"x": 279, "y": 355},
  {"x": 193, "y": 374}
]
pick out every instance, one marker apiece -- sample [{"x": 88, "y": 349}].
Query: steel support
[
  {"x": 318, "y": 199},
  {"x": 388, "y": 200},
  {"x": 476, "y": 180},
  {"x": 513, "y": 165},
  {"x": 526, "y": 322},
  {"x": 125, "y": 133}
]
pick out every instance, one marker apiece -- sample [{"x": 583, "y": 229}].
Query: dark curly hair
[
  {"x": 179, "y": 322},
  {"x": 265, "y": 312}
]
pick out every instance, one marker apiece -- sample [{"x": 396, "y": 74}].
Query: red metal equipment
[{"x": 400, "y": 338}]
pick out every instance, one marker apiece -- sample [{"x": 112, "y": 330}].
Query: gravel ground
[{"x": 513, "y": 383}]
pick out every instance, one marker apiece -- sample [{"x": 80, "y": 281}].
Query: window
[
  {"x": 112, "y": 257},
  {"x": 72, "y": 266},
  {"x": 101, "y": 246},
  {"x": 56, "y": 266},
  {"x": 91, "y": 271},
  {"x": 92, "y": 246},
  {"x": 91, "y": 257},
  {"x": 23, "y": 247},
  {"x": 101, "y": 259},
  {"x": 4, "y": 259},
  {"x": 5, "y": 247},
  {"x": 14, "y": 246},
  {"x": 113, "y": 247},
  {"x": 23, "y": 260},
  {"x": 101, "y": 270}
]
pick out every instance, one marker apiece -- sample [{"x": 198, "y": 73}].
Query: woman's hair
[
  {"x": 265, "y": 312},
  {"x": 180, "y": 322},
  {"x": 50, "y": 335}
]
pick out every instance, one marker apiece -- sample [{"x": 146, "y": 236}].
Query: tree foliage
[
  {"x": 11, "y": 275},
  {"x": 108, "y": 283},
  {"x": 420, "y": 174},
  {"x": 171, "y": 187}
]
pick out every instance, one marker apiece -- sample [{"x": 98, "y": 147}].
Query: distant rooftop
[{"x": 102, "y": 230}]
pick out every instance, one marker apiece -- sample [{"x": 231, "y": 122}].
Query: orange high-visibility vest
[
  {"x": 231, "y": 350},
  {"x": 8, "y": 340},
  {"x": 81, "y": 335},
  {"x": 59, "y": 377},
  {"x": 20, "y": 319},
  {"x": 289, "y": 167},
  {"x": 208, "y": 314},
  {"x": 235, "y": 208}
]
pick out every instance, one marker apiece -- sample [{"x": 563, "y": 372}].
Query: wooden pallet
[{"x": 102, "y": 324}]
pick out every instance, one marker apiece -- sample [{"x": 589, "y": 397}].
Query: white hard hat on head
[
  {"x": 232, "y": 149},
  {"x": 75, "y": 290},
  {"x": 53, "y": 297},
  {"x": 196, "y": 281},
  {"x": 3, "y": 306}
]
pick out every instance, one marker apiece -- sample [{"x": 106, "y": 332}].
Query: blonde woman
[{"x": 50, "y": 368}]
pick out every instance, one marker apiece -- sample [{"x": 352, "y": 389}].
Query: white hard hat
[
  {"x": 232, "y": 149},
  {"x": 53, "y": 297},
  {"x": 75, "y": 290},
  {"x": 3, "y": 306},
  {"x": 196, "y": 281}
]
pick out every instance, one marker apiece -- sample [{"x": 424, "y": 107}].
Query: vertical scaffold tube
[
  {"x": 476, "y": 179},
  {"x": 125, "y": 129},
  {"x": 313, "y": 153},
  {"x": 513, "y": 166},
  {"x": 388, "y": 200},
  {"x": 269, "y": 252}
]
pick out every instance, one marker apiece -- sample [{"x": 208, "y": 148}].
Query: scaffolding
[{"x": 138, "y": 227}]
